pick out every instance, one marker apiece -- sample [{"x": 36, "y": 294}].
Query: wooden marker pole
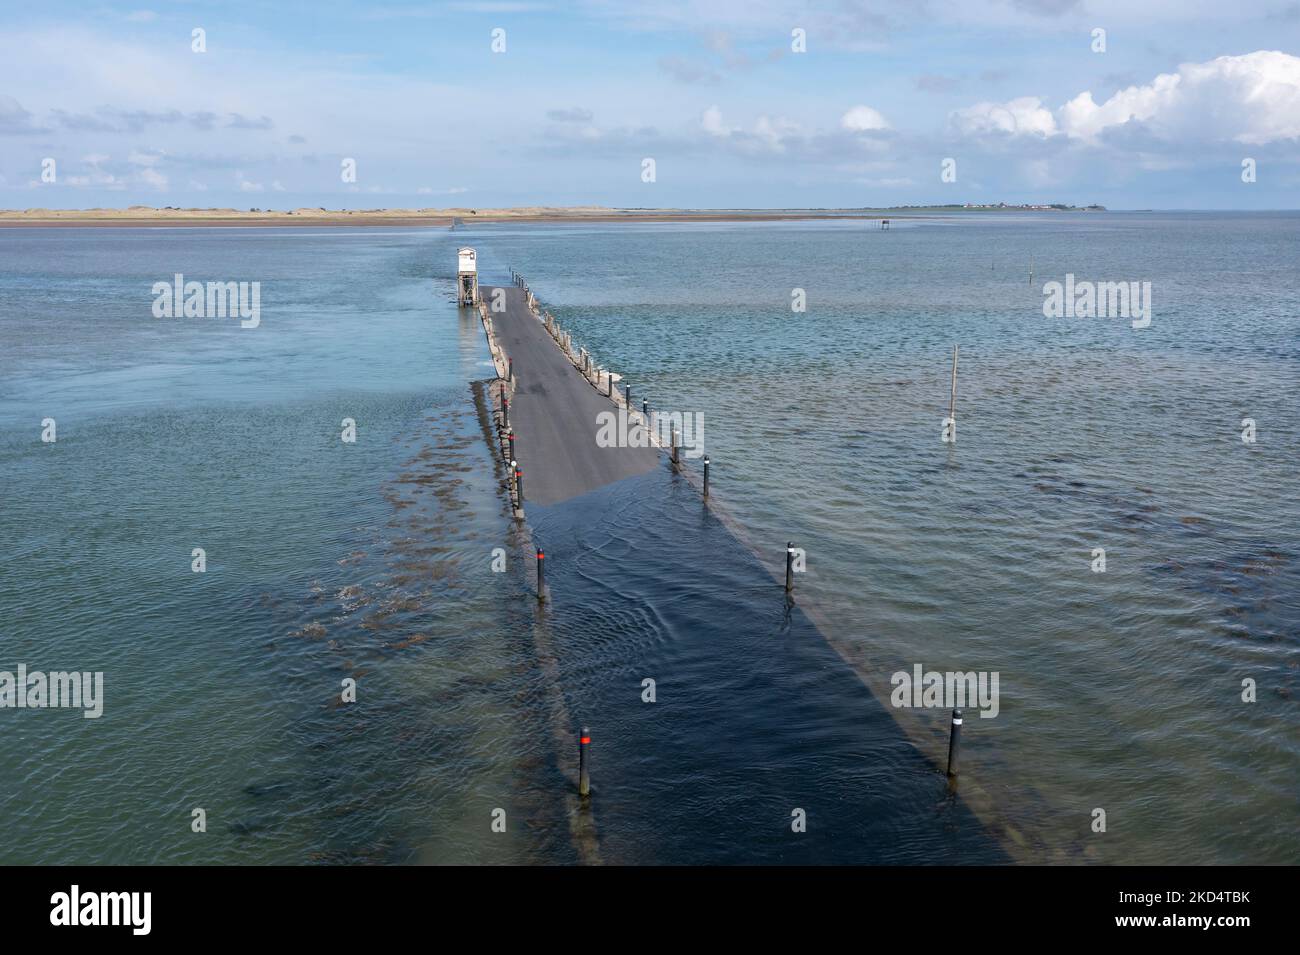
[{"x": 952, "y": 397}]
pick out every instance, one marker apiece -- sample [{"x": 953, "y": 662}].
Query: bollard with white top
[{"x": 954, "y": 743}]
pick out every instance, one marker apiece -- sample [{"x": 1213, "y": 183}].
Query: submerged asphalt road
[
  {"x": 554, "y": 414},
  {"x": 758, "y": 744}
]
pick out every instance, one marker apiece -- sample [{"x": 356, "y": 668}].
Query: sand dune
[{"x": 172, "y": 216}]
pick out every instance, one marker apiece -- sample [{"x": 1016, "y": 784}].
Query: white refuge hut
[{"x": 467, "y": 277}]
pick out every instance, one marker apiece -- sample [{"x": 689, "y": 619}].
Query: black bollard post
[
  {"x": 706, "y": 475},
  {"x": 789, "y": 567},
  {"x": 584, "y": 781},
  {"x": 510, "y": 445},
  {"x": 627, "y": 394},
  {"x": 609, "y": 384},
  {"x": 512, "y": 371},
  {"x": 541, "y": 576},
  {"x": 645, "y": 409},
  {"x": 674, "y": 446},
  {"x": 505, "y": 407},
  {"x": 954, "y": 743},
  {"x": 519, "y": 482}
]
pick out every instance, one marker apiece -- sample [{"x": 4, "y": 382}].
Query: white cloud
[
  {"x": 153, "y": 178},
  {"x": 711, "y": 122},
  {"x": 1253, "y": 98},
  {"x": 13, "y": 118},
  {"x": 775, "y": 130},
  {"x": 245, "y": 185},
  {"x": 770, "y": 133},
  {"x": 1025, "y": 116},
  {"x": 861, "y": 119}
]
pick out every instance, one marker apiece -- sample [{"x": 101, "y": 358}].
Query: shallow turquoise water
[
  {"x": 328, "y": 560},
  {"x": 1120, "y": 690},
  {"x": 325, "y": 560}
]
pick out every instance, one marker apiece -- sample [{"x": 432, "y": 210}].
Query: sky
[{"x": 1175, "y": 104}]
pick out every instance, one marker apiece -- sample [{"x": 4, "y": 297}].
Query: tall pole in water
[
  {"x": 706, "y": 475},
  {"x": 952, "y": 397},
  {"x": 789, "y": 567},
  {"x": 584, "y": 780},
  {"x": 541, "y": 577},
  {"x": 954, "y": 743}
]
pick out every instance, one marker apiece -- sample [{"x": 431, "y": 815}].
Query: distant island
[
  {"x": 318, "y": 216},
  {"x": 1012, "y": 207}
]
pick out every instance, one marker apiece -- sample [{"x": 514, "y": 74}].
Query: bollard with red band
[
  {"x": 519, "y": 483},
  {"x": 584, "y": 781},
  {"x": 541, "y": 576}
]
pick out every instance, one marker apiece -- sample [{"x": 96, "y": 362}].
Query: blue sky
[{"x": 1012, "y": 90}]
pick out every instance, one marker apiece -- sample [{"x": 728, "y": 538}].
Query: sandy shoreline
[{"x": 139, "y": 217}]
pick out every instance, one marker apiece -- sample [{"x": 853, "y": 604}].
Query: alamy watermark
[
  {"x": 37, "y": 690},
  {"x": 1098, "y": 300},
  {"x": 930, "y": 689},
  {"x": 75, "y": 907},
  {"x": 182, "y": 299},
  {"x": 619, "y": 429}
]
